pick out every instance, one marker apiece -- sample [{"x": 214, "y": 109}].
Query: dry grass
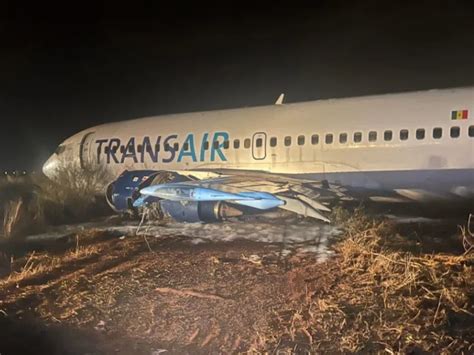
[
  {"x": 372, "y": 297},
  {"x": 184, "y": 298},
  {"x": 214, "y": 298},
  {"x": 378, "y": 300},
  {"x": 35, "y": 265},
  {"x": 75, "y": 194},
  {"x": 40, "y": 264},
  {"x": 20, "y": 209},
  {"x": 29, "y": 204},
  {"x": 467, "y": 233}
]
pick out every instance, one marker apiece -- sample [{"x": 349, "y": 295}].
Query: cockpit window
[{"x": 60, "y": 149}]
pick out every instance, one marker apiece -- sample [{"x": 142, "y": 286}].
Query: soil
[
  {"x": 105, "y": 293},
  {"x": 107, "y": 300}
]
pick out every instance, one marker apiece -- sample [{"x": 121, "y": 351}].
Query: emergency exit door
[{"x": 259, "y": 146}]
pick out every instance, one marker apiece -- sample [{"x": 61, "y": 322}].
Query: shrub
[
  {"x": 75, "y": 194},
  {"x": 27, "y": 205},
  {"x": 20, "y": 209}
]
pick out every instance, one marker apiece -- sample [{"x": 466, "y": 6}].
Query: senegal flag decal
[{"x": 459, "y": 115}]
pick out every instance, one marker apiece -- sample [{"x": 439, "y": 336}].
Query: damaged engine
[
  {"x": 123, "y": 195},
  {"x": 188, "y": 199}
]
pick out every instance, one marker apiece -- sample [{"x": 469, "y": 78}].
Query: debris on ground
[{"x": 382, "y": 291}]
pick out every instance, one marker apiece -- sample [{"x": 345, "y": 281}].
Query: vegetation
[
  {"x": 75, "y": 195},
  {"x": 29, "y": 204},
  {"x": 383, "y": 292},
  {"x": 376, "y": 297}
]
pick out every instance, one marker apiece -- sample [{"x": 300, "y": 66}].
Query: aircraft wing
[{"x": 258, "y": 190}]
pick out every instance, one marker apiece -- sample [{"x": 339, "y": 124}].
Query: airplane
[{"x": 205, "y": 166}]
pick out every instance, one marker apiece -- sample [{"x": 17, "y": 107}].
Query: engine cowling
[
  {"x": 193, "y": 211},
  {"x": 123, "y": 192}
]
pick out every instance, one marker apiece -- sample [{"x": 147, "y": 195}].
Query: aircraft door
[
  {"x": 259, "y": 146},
  {"x": 86, "y": 151}
]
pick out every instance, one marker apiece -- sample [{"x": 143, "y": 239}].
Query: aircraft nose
[{"x": 50, "y": 166}]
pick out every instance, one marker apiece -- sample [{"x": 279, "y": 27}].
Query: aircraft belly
[{"x": 445, "y": 180}]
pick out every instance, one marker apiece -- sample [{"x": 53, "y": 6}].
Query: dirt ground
[
  {"x": 104, "y": 296},
  {"x": 102, "y": 292}
]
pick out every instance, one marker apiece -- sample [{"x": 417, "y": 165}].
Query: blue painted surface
[
  {"x": 184, "y": 192},
  {"x": 190, "y": 152},
  {"x": 125, "y": 188}
]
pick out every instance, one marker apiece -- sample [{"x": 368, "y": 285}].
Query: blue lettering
[
  {"x": 220, "y": 145},
  {"x": 189, "y": 151},
  {"x": 202, "y": 155}
]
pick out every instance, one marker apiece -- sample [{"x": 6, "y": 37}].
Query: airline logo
[
  {"x": 163, "y": 149},
  {"x": 459, "y": 115}
]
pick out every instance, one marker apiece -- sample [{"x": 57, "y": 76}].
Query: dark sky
[{"x": 63, "y": 69}]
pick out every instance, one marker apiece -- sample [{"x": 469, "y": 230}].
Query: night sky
[{"x": 63, "y": 69}]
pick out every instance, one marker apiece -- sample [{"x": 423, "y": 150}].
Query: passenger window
[
  {"x": 236, "y": 144},
  {"x": 387, "y": 136},
  {"x": 329, "y": 138},
  {"x": 420, "y": 133},
  {"x": 357, "y": 137},
  {"x": 315, "y": 139},
  {"x": 372, "y": 136},
  {"x": 455, "y": 132},
  {"x": 226, "y": 144},
  {"x": 300, "y": 140},
  {"x": 186, "y": 146},
  {"x": 404, "y": 134},
  {"x": 273, "y": 142},
  {"x": 259, "y": 142},
  {"x": 247, "y": 143},
  {"x": 437, "y": 132},
  {"x": 287, "y": 141},
  {"x": 471, "y": 131},
  {"x": 343, "y": 138},
  {"x": 206, "y": 145}
]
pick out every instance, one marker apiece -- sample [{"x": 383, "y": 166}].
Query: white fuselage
[{"x": 384, "y": 142}]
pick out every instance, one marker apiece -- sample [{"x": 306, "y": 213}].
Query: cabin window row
[{"x": 372, "y": 136}]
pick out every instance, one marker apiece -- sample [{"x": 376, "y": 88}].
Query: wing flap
[
  {"x": 301, "y": 208},
  {"x": 257, "y": 190},
  {"x": 314, "y": 204}
]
